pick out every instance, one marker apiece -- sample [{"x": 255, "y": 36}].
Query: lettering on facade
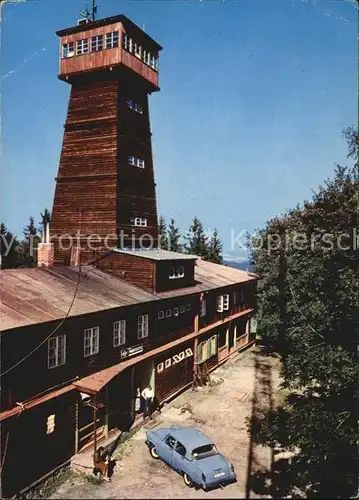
[{"x": 177, "y": 358}]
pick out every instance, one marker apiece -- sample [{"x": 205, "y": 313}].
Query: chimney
[{"x": 45, "y": 249}]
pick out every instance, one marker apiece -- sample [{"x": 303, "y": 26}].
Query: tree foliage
[
  {"x": 214, "y": 252},
  {"x": 308, "y": 293},
  {"x": 162, "y": 234},
  {"x": 196, "y": 239},
  {"x": 173, "y": 237},
  {"x": 9, "y": 248}
]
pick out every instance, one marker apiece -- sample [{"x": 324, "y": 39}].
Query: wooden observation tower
[{"x": 105, "y": 192}]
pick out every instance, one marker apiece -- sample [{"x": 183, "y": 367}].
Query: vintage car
[{"x": 188, "y": 451}]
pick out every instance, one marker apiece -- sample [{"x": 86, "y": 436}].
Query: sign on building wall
[{"x": 131, "y": 351}]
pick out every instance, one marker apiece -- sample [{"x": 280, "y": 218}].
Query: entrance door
[{"x": 144, "y": 376}]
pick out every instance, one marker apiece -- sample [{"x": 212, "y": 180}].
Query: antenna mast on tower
[{"x": 89, "y": 16}]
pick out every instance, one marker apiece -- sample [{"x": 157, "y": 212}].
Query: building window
[
  {"x": 127, "y": 42},
  {"x": 188, "y": 307},
  {"x": 175, "y": 311},
  {"x": 212, "y": 346},
  {"x": 119, "y": 333},
  {"x": 91, "y": 341},
  {"x": 68, "y": 50},
  {"x": 112, "y": 40},
  {"x": 154, "y": 63},
  {"x": 136, "y": 162},
  {"x": 142, "y": 326},
  {"x": 175, "y": 273},
  {"x": 223, "y": 303},
  {"x": 139, "y": 221},
  {"x": 82, "y": 47},
  {"x": 96, "y": 43},
  {"x": 160, "y": 367},
  {"x": 168, "y": 313},
  {"x": 202, "y": 352},
  {"x": 146, "y": 57},
  {"x": 161, "y": 314},
  {"x": 189, "y": 353},
  {"x": 168, "y": 362},
  {"x": 203, "y": 307},
  {"x": 137, "y": 50},
  {"x": 50, "y": 424},
  {"x": 182, "y": 309},
  {"x": 56, "y": 351},
  {"x": 133, "y": 105}
]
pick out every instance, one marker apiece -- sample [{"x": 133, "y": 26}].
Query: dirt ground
[{"x": 239, "y": 387}]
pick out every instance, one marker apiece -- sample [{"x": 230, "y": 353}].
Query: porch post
[
  {"x": 77, "y": 427},
  {"x": 94, "y": 423},
  {"x": 106, "y": 413},
  {"x": 195, "y": 350}
]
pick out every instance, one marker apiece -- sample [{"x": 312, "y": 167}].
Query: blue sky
[{"x": 254, "y": 96}]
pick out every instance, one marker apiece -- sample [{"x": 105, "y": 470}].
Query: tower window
[
  {"x": 96, "y": 43},
  {"x": 154, "y": 63},
  {"x": 68, "y": 50},
  {"x": 136, "y": 162},
  {"x": 133, "y": 105},
  {"x": 112, "y": 40},
  {"x": 146, "y": 56},
  {"x": 82, "y": 47},
  {"x": 137, "y": 50},
  {"x": 139, "y": 221}
]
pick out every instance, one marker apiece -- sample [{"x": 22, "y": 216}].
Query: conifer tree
[
  {"x": 197, "y": 241},
  {"x": 173, "y": 237},
  {"x": 215, "y": 249},
  {"x": 9, "y": 249},
  {"x": 162, "y": 234}
]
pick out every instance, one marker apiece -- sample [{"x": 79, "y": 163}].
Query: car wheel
[
  {"x": 187, "y": 480},
  {"x": 153, "y": 453}
]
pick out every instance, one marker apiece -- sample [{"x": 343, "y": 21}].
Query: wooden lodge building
[{"x": 101, "y": 318}]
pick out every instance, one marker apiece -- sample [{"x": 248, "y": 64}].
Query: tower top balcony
[{"x": 113, "y": 44}]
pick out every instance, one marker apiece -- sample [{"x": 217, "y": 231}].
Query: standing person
[{"x": 148, "y": 395}]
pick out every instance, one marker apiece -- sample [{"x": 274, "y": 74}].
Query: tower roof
[{"x": 128, "y": 24}]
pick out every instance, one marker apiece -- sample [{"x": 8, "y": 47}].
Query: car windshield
[{"x": 204, "y": 451}]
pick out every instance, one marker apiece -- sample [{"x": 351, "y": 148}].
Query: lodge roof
[
  {"x": 40, "y": 295},
  {"x": 121, "y": 18},
  {"x": 157, "y": 254}
]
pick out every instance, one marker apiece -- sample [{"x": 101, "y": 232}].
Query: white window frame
[
  {"x": 139, "y": 221},
  {"x": 161, "y": 314},
  {"x": 91, "y": 341},
  {"x": 182, "y": 309},
  {"x": 82, "y": 47},
  {"x": 168, "y": 362},
  {"x": 223, "y": 302},
  {"x": 172, "y": 273},
  {"x": 189, "y": 352},
  {"x": 137, "y": 50},
  {"x": 96, "y": 43},
  {"x": 134, "y": 106},
  {"x": 142, "y": 326},
  {"x": 50, "y": 424},
  {"x": 168, "y": 313},
  {"x": 136, "y": 162},
  {"x": 68, "y": 50},
  {"x": 57, "y": 346},
  {"x": 125, "y": 40},
  {"x": 119, "y": 333},
  {"x": 160, "y": 367},
  {"x": 176, "y": 273},
  {"x": 203, "y": 308},
  {"x": 112, "y": 39},
  {"x": 175, "y": 311},
  {"x": 188, "y": 307}
]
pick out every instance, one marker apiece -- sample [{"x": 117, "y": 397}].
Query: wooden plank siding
[
  {"x": 105, "y": 58},
  {"x": 97, "y": 191},
  {"x": 135, "y": 270},
  {"x": 29, "y": 444}
]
